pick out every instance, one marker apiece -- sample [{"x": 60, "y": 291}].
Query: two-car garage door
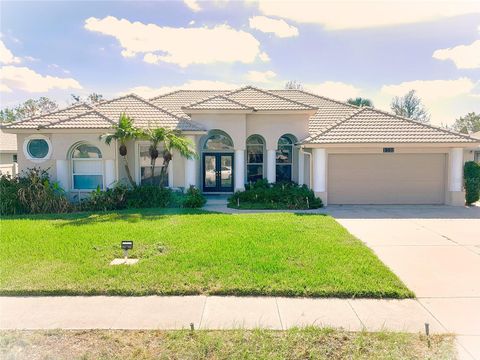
[{"x": 386, "y": 178}]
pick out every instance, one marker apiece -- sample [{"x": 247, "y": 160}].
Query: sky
[{"x": 341, "y": 49}]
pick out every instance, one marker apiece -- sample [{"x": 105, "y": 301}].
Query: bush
[
  {"x": 32, "y": 193},
  {"x": 283, "y": 195},
  {"x": 193, "y": 198},
  {"x": 35, "y": 193},
  {"x": 471, "y": 174}
]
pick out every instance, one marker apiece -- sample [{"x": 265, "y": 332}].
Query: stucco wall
[{"x": 61, "y": 144}]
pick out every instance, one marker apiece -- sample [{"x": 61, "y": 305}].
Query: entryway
[{"x": 218, "y": 172}]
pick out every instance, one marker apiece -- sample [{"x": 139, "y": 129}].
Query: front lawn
[
  {"x": 190, "y": 252},
  {"x": 308, "y": 343}
]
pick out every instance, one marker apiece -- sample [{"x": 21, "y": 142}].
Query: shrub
[
  {"x": 148, "y": 196},
  {"x": 35, "y": 193},
  {"x": 9, "y": 201},
  {"x": 193, "y": 198},
  {"x": 471, "y": 174},
  {"x": 32, "y": 193},
  {"x": 110, "y": 199},
  {"x": 283, "y": 195}
]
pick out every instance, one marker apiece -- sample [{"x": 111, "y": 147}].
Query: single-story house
[
  {"x": 346, "y": 154},
  {"x": 8, "y": 153}
]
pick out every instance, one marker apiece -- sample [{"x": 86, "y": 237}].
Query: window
[
  {"x": 217, "y": 141},
  {"x": 146, "y": 177},
  {"x": 477, "y": 156},
  {"x": 14, "y": 158},
  {"x": 284, "y": 159},
  {"x": 255, "y": 153},
  {"x": 37, "y": 148},
  {"x": 87, "y": 167}
]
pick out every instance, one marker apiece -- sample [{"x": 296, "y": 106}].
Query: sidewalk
[{"x": 213, "y": 312}]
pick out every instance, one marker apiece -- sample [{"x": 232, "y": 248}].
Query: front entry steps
[{"x": 220, "y": 199}]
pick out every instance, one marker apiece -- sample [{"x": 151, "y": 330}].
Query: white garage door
[{"x": 386, "y": 178}]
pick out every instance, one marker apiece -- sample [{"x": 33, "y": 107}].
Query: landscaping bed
[
  {"x": 183, "y": 251},
  {"x": 277, "y": 196},
  {"x": 307, "y": 343}
]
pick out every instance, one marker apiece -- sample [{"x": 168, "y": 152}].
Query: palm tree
[
  {"x": 170, "y": 140},
  {"x": 124, "y": 132}
]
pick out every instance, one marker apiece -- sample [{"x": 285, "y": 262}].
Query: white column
[
  {"x": 319, "y": 170},
  {"x": 170, "y": 174},
  {"x": 109, "y": 173},
  {"x": 301, "y": 167},
  {"x": 271, "y": 166},
  {"x": 190, "y": 167},
  {"x": 62, "y": 174},
  {"x": 456, "y": 169},
  {"x": 239, "y": 170}
]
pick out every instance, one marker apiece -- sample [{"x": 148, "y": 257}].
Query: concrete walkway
[{"x": 212, "y": 312}]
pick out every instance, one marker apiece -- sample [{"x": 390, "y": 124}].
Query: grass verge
[
  {"x": 305, "y": 343},
  {"x": 190, "y": 252}
]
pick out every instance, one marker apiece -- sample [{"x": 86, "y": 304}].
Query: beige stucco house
[{"x": 346, "y": 154}]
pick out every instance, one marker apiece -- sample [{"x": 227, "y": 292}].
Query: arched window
[
  {"x": 87, "y": 167},
  {"x": 255, "y": 153},
  {"x": 284, "y": 158},
  {"x": 218, "y": 141}
]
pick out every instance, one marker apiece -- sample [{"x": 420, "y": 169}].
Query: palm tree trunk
[
  {"x": 152, "y": 174},
  {"x": 164, "y": 172},
  {"x": 129, "y": 175}
]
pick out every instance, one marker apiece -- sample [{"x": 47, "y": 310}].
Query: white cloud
[
  {"x": 192, "y": 22},
  {"x": 181, "y": 46},
  {"x": 261, "y": 76},
  {"x": 6, "y": 56},
  {"x": 149, "y": 92},
  {"x": 25, "y": 79},
  {"x": 4, "y": 88},
  {"x": 264, "y": 57},
  {"x": 358, "y": 14},
  {"x": 193, "y": 5},
  {"x": 334, "y": 89},
  {"x": 268, "y": 25},
  {"x": 430, "y": 90},
  {"x": 464, "y": 56}
]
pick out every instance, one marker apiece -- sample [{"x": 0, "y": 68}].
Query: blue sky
[{"x": 341, "y": 49}]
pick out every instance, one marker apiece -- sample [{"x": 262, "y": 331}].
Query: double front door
[{"x": 217, "y": 172}]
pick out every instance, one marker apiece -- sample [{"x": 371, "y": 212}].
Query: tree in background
[
  {"x": 29, "y": 108},
  {"x": 410, "y": 106},
  {"x": 467, "y": 124},
  {"x": 293, "y": 85},
  {"x": 91, "y": 99},
  {"x": 359, "y": 101},
  {"x": 123, "y": 132}
]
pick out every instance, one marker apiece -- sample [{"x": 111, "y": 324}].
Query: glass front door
[{"x": 217, "y": 172}]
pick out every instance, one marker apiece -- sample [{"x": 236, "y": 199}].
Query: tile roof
[
  {"x": 333, "y": 122},
  {"x": 107, "y": 113},
  {"x": 265, "y": 100},
  {"x": 145, "y": 114},
  {"x": 175, "y": 100},
  {"x": 368, "y": 125},
  {"x": 218, "y": 102},
  {"x": 50, "y": 118},
  {"x": 329, "y": 111},
  {"x": 89, "y": 120}
]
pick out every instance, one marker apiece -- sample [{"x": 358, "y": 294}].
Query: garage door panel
[{"x": 386, "y": 178}]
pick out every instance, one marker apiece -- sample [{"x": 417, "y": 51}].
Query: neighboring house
[
  {"x": 8, "y": 153},
  {"x": 346, "y": 154},
  {"x": 476, "y": 152}
]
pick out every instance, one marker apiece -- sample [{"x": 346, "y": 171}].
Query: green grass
[
  {"x": 307, "y": 343},
  {"x": 190, "y": 252}
]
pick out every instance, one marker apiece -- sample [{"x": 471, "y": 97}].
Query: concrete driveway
[{"x": 435, "y": 250}]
